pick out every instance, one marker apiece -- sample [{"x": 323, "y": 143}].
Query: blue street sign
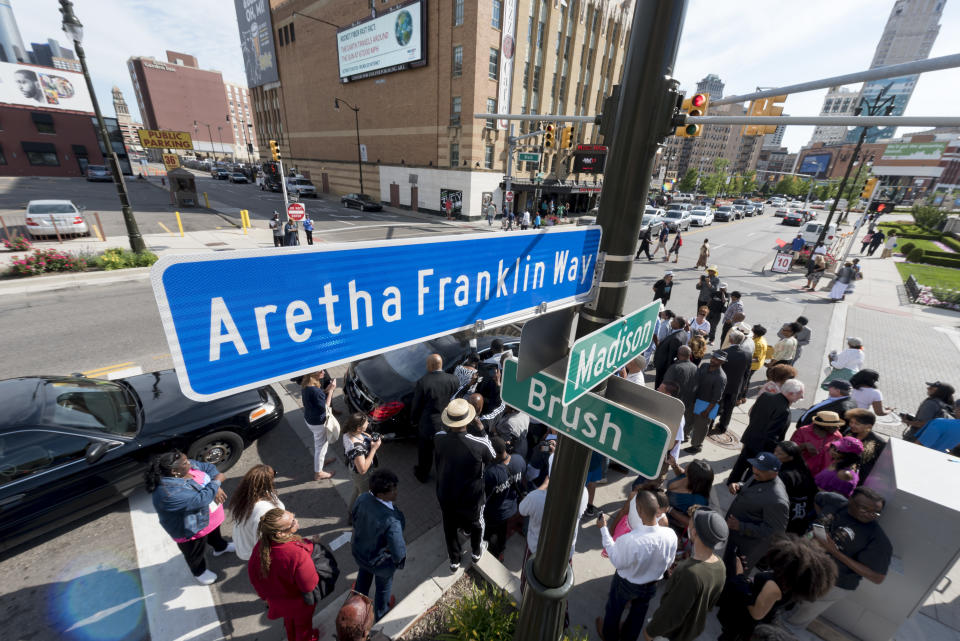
[{"x": 238, "y": 321}]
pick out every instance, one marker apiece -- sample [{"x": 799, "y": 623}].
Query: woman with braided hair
[
  {"x": 255, "y": 496},
  {"x": 799, "y": 570},
  {"x": 189, "y": 502},
  {"x": 281, "y": 569}
]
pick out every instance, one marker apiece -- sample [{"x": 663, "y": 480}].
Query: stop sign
[
  {"x": 296, "y": 211},
  {"x": 508, "y": 197}
]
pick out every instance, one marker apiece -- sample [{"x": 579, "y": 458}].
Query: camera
[{"x": 375, "y": 436}]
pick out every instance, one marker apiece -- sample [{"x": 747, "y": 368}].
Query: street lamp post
[
  {"x": 74, "y": 30},
  {"x": 223, "y": 152},
  {"x": 356, "y": 120}
]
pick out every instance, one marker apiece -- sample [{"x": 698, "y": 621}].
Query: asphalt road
[{"x": 82, "y": 582}]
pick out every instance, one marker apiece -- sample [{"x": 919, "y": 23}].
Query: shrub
[
  {"x": 43, "y": 261},
  {"x": 941, "y": 261},
  {"x": 915, "y": 255},
  {"x": 485, "y": 613},
  {"x": 951, "y": 242},
  {"x": 116, "y": 258},
  {"x": 906, "y": 248},
  {"x": 18, "y": 244},
  {"x": 928, "y": 216}
]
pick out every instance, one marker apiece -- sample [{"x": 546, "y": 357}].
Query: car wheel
[{"x": 222, "y": 449}]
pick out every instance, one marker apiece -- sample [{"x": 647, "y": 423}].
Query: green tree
[
  {"x": 929, "y": 217},
  {"x": 765, "y": 188},
  {"x": 689, "y": 181},
  {"x": 736, "y": 185},
  {"x": 785, "y": 186},
  {"x": 824, "y": 191},
  {"x": 750, "y": 182}
]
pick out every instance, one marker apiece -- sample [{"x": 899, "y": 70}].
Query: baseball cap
[
  {"x": 710, "y": 527},
  {"x": 766, "y": 462}
]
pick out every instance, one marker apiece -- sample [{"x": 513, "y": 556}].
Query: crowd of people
[{"x": 800, "y": 534}]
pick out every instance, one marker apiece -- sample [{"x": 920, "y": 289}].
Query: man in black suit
[
  {"x": 839, "y": 401},
  {"x": 769, "y": 418},
  {"x": 667, "y": 349},
  {"x": 430, "y": 397},
  {"x": 735, "y": 368}
]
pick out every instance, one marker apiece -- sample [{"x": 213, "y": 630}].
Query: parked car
[
  {"x": 237, "y": 177},
  {"x": 725, "y": 213},
  {"x": 811, "y": 233},
  {"x": 750, "y": 209},
  {"x": 701, "y": 217},
  {"x": 739, "y": 211},
  {"x": 52, "y": 217},
  {"x": 795, "y": 218},
  {"x": 363, "y": 202},
  {"x": 71, "y": 445},
  {"x": 677, "y": 220},
  {"x": 301, "y": 186},
  {"x": 98, "y": 173},
  {"x": 652, "y": 220},
  {"x": 382, "y": 386}
]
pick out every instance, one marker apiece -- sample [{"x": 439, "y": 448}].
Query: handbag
[
  {"x": 328, "y": 571},
  {"x": 333, "y": 427}
]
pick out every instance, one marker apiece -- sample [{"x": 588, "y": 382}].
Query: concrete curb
[{"x": 36, "y": 284}]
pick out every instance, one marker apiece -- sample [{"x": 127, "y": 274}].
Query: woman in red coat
[{"x": 281, "y": 569}]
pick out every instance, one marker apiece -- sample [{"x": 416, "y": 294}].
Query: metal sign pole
[
  {"x": 637, "y": 133},
  {"x": 507, "y": 184}
]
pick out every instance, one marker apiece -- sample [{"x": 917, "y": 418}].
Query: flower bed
[{"x": 46, "y": 261}]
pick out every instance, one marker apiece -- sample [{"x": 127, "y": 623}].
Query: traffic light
[
  {"x": 566, "y": 137},
  {"x": 695, "y": 105},
  {"x": 868, "y": 188},
  {"x": 756, "y": 109},
  {"x": 763, "y": 107},
  {"x": 772, "y": 109},
  {"x": 548, "y": 141},
  {"x": 274, "y": 150}
]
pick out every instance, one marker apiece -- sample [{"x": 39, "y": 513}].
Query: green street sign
[
  {"x": 528, "y": 157},
  {"x": 598, "y": 355},
  {"x": 619, "y": 433}
]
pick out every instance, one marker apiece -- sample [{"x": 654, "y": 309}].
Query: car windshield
[
  {"x": 304, "y": 182},
  {"x": 362, "y": 197},
  {"x": 96, "y": 168},
  {"x": 92, "y": 404},
  {"x": 411, "y": 362},
  {"x": 647, "y": 219},
  {"x": 724, "y": 209},
  {"x": 813, "y": 227},
  {"x": 52, "y": 208},
  {"x": 698, "y": 212},
  {"x": 676, "y": 213}
]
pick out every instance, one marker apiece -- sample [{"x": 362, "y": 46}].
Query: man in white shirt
[
  {"x": 633, "y": 371},
  {"x": 532, "y": 507},
  {"x": 640, "y": 557}
]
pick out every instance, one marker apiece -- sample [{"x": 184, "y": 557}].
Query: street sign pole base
[{"x": 547, "y": 612}]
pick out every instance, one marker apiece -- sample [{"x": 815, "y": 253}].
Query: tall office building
[
  {"x": 909, "y": 35},
  {"x": 712, "y": 85},
  {"x": 125, "y": 121},
  {"x": 11, "y": 44},
  {"x": 839, "y": 101}
]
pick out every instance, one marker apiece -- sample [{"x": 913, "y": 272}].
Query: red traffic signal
[
  {"x": 881, "y": 207},
  {"x": 698, "y": 99}
]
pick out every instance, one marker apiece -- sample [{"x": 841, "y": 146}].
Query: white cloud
[{"x": 115, "y": 30}]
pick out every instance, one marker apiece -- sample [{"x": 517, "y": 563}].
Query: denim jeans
[
  {"x": 621, "y": 593},
  {"x": 384, "y": 581}
]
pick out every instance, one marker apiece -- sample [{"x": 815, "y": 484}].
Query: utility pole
[
  {"x": 641, "y": 121},
  {"x": 880, "y": 103}
]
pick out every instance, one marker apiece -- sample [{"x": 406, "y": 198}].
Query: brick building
[
  {"x": 177, "y": 95},
  {"x": 415, "y": 123},
  {"x": 242, "y": 121}
]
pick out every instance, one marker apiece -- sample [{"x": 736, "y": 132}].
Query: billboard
[
  {"x": 585, "y": 162},
  {"x": 45, "y": 87},
  {"x": 914, "y": 150},
  {"x": 256, "y": 41},
  {"x": 815, "y": 165},
  {"x": 392, "y": 41},
  {"x": 161, "y": 139}
]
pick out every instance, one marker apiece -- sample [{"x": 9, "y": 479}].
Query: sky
[{"x": 748, "y": 43}]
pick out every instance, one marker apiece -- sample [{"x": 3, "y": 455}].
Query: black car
[
  {"x": 72, "y": 445},
  {"x": 382, "y": 386},
  {"x": 362, "y": 202},
  {"x": 271, "y": 183}
]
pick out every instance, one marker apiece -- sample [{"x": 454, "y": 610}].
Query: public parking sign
[
  {"x": 597, "y": 355},
  {"x": 240, "y": 321},
  {"x": 611, "y": 428},
  {"x": 296, "y": 211}
]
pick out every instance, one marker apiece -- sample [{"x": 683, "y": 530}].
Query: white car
[
  {"x": 301, "y": 186},
  {"x": 701, "y": 217},
  {"x": 50, "y": 217},
  {"x": 811, "y": 234}
]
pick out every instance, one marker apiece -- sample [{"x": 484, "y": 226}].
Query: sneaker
[
  {"x": 207, "y": 578},
  {"x": 230, "y": 548},
  {"x": 483, "y": 548},
  {"x": 692, "y": 450},
  {"x": 454, "y": 566},
  {"x": 591, "y": 511}
]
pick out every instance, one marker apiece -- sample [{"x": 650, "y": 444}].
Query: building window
[
  {"x": 293, "y": 36},
  {"x": 494, "y": 64},
  {"x": 457, "y": 60},
  {"x": 3, "y": 157},
  {"x": 488, "y": 157},
  {"x": 455, "y": 110},
  {"x": 43, "y": 122},
  {"x": 497, "y": 11},
  {"x": 457, "y": 13},
  {"x": 279, "y": 37},
  {"x": 454, "y": 154},
  {"x": 491, "y": 109},
  {"x": 42, "y": 154}
]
